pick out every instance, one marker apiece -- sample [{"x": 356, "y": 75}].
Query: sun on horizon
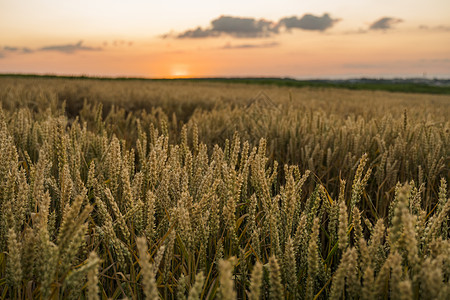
[{"x": 180, "y": 71}]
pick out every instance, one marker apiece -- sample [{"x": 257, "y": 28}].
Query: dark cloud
[
  {"x": 69, "y": 48},
  {"x": 12, "y": 49},
  {"x": 17, "y": 49},
  {"x": 234, "y": 26},
  {"x": 309, "y": 22},
  {"x": 244, "y": 27},
  {"x": 256, "y": 28},
  {"x": 435, "y": 28},
  {"x": 198, "y": 33},
  {"x": 251, "y": 46},
  {"x": 384, "y": 23}
]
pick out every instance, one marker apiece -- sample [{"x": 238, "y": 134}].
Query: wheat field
[{"x": 185, "y": 190}]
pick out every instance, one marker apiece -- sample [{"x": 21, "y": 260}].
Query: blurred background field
[{"x": 325, "y": 130}]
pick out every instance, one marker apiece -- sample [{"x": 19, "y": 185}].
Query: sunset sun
[{"x": 180, "y": 71}]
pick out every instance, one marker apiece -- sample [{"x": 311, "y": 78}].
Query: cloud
[
  {"x": 117, "y": 43},
  {"x": 244, "y": 27},
  {"x": 436, "y": 61},
  {"x": 241, "y": 27},
  {"x": 362, "y": 66},
  {"x": 443, "y": 28},
  {"x": 435, "y": 28},
  {"x": 69, "y": 48},
  {"x": 12, "y": 49},
  {"x": 384, "y": 23},
  {"x": 309, "y": 22},
  {"x": 17, "y": 49},
  {"x": 400, "y": 64},
  {"x": 198, "y": 33},
  {"x": 234, "y": 26},
  {"x": 356, "y": 31},
  {"x": 250, "y": 46}
]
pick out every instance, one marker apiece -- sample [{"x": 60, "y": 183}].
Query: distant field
[
  {"x": 423, "y": 86},
  {"x": 248, "y": 189}
]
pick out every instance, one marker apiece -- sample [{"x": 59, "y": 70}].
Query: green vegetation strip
[{"x": 422, "y": 86}]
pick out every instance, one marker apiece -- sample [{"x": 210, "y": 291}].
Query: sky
[{"x": 179, "y": 38}]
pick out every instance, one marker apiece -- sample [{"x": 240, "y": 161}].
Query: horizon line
[{"x": 342, "y": 77}]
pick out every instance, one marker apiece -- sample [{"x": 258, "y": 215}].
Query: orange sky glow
[{"x": 324, "y": 39}]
